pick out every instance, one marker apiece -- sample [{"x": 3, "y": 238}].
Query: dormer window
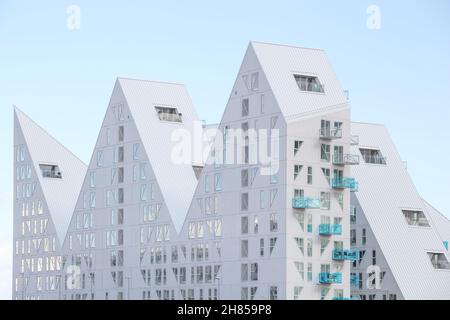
[
  {"x": 308, "y": 83},
  {"x": 373, "y": 156},
  {"x": 416, "y": 218},
  {"x": 168, "y": 114},
  {"x": 50, "y": 171},
  {"x": 438, "y": 260}
]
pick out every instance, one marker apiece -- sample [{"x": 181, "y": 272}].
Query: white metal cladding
[
  {"x": 60, "y": 194},
  {"x": 384, "y": 190},
  {"x": 440, "y": 222},
  {"x": 177, "y": 181},
  {"x": 281, "y": 62}
]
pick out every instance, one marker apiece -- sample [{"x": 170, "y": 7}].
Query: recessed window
[
  {"x": 245, "y": 107},
  {"x": 50, "y": 171},
  {"x": 415, "y": 218},
  {"x": 372, "y": 156},
  {"x": 168, "y": 114},
  {"x": 308, "y": 83},
  {"x": 438, "y": 260}
]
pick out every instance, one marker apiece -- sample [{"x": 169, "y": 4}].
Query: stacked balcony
[
  {"x": 330, "y": 133},
  {"x": 345, "y": 254},
  {"x": 345, "y": 159},
  {"x": 326, "y": 229},
  {"x": 330, "y": 278},
  {"x": 305, "y": 203},
  {"x": 345, "y": 183}
]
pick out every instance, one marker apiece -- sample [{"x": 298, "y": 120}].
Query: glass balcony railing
[
  {"x": 345, "y": 298},
  {"x": 345, "y": 183},
  {"x": 343, "y": 159},
  {"x": 330, "y": 133},
  {"x": 345, "y": 254},
  {"x": 354, "y": 280},
  {"x": 326, "y": 229},
  {"x": 305, "y": 203},
  {"x": 329, "y": 278}
]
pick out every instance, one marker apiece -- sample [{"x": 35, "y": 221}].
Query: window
[
  {"x": 121, "y": 133},
  {"x": 297, "y": 169},
  {"x": 218, "y": 182},
  {"x": 308, "y": 83},
  {"x": 255, "y": 225},
  {"x": 415, "y": 218},
  {"x": 244, "y": 178},
  {"x": 136, "y": 151},
  {"x": 273, "y": 293},
  {"x": 363, "y": 237},
  {"x": 272, "y": 243},
  {"x": 262, "y": 104},
  {"x": 310, "y": 175},
  {"x": 245, "y": 107},
  {"x": 262, "y": 199},
  {"x": 326, "y": 173},
  {"x": 244, "y": 225},
  {"x": 297, "y": 145},
  {"x": 297, "y": 292},
  {"x": 261, "y": 247},
  {"x": 438, "y": 260},
  {"x": 120, "y": 175},
  {"x": 92, "y": 179},
  {"x": 373, "y": 156},
  {"x": 244, "y": 272},
  {"x": 50, "y": 171},
  {"x": 244, "y": 248},
  {"x": 254, "y": 81},
  {"x": 353, "y": 214},
  {"x": 309, "y": 248},
  {"x": 300, "y": 244},
  {"x": 254, "y": 272},
  {"x": 325, "y": 152},
  {"x": 273, "y": 222},
  {"x": 244, "y": 201},
  {"x": 353, "y": 237},
  {"x": 325, "y": 200},
  {"x": 169, "y": 114},
  {"x": 374, "y": 257}
]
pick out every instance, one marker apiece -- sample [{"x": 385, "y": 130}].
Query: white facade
[{"x": 138, "y": 224}]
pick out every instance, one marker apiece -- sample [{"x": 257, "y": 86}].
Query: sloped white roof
[
  {"x": 60, "y": 194},
  {"x": 176, "y": 181},
  {"x": 384, "y": 190},
  {"x": 440, "y": 222},
  {"x": 281, "y": 62}
]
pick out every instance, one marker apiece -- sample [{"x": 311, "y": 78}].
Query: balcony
[
  {"x": 354, "y": 280},
  {"x": 345, "y": 298},
  {"x": 330, "y": 229},
  {"x": 343, "y": 159},
  {"x": 305, "y": 203},
  {"x": 329, "y": 278},
  {"x": 345, "y": 254},
  {"x": 345, "y": 183},
  {"x": 330, "y": 134}
]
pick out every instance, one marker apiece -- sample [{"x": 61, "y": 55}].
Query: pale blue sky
[{"x": 398, "y": 75}]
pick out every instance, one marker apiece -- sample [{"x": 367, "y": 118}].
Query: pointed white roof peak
[
  {"x": 176, "y": 181},
  {"x": 281, "y": 62},
  {"x": 60, "y": 194}
]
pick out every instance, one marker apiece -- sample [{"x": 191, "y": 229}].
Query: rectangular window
[
  {"x": 244, "y": 248},
  {"x": 438, "y": 260},
  {"x": 325, "y": 200},
  {"x": 254, "y": 272},
  {"x": 244, "y": 201},
  {"x": 310, "y": 175},
  {"x": 297, "y": 169},
  {"x": 244, "y": 178},
  {"x": 273, "y": 222},
  {"x": 297, "y": 145},
  {"x": 244, "y": 225},
  {"x": 325, "y": 152},
  {"x": 218, "y": 182},
  {"x": 273, "y": 293},
  {"x": 245, "y": 107},
  {"x": 121, "y": 133},
  {"x": 363, "y": 237},
  {"x": 254, "y": 81}
]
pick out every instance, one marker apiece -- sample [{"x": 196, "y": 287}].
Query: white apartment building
[{"x": 263, "y": 213}]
